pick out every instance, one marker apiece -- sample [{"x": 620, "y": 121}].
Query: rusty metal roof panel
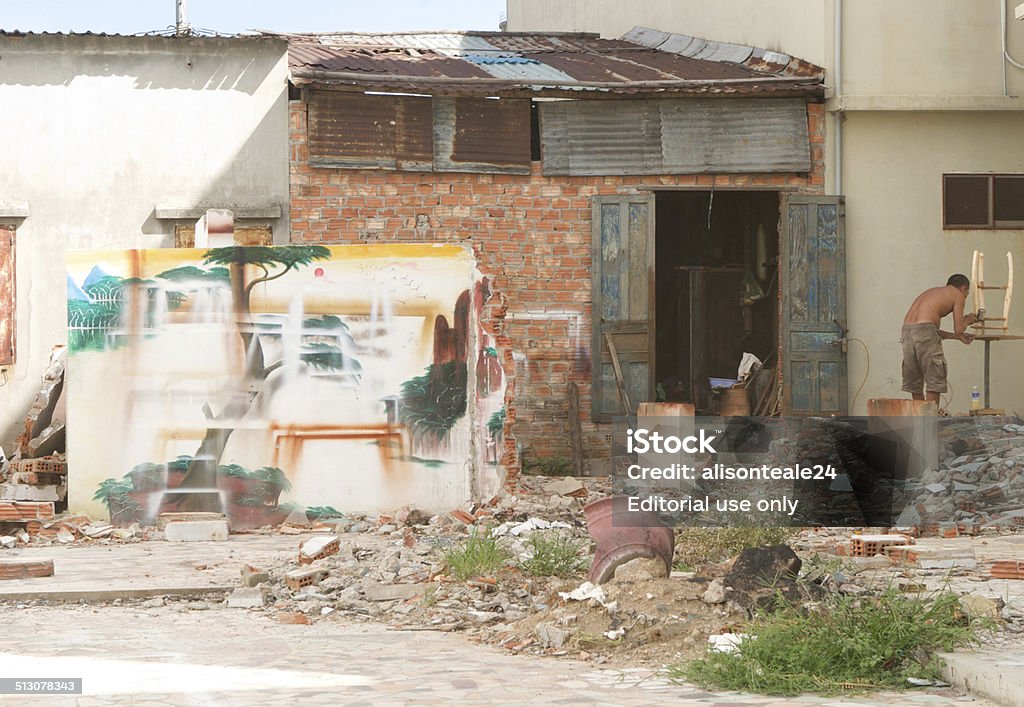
[
  {"x": 645, "y": 60},
  {"x": 384, "y": 61},
  {"x": 520, "y": 68},
  {"x": 761, "y": 61}
]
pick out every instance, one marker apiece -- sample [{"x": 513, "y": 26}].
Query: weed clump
[
  {"x": 553, "y": 555},
  {"x": 700, "y": 546},
  {"x": 477, "y": 556},
  {"x": 844, "y": 644}
]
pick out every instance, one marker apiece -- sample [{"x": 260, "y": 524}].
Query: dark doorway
[{"x": 716, "y": 289}]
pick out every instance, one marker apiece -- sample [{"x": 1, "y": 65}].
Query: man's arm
[{"x": 959, "y": 321}]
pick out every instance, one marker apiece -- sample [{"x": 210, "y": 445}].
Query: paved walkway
[{"x": 206, "y": 655}]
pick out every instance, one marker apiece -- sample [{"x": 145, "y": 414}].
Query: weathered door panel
[
  {"x": 813, "y": 305},
  {"x": 623, "y": 290}
]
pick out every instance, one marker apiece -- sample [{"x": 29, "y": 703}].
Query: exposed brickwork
[{"x": 532, "y": 239}]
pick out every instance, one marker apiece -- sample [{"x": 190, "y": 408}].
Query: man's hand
[{"x": 965, "y": 337}]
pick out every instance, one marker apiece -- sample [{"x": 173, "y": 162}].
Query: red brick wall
[{"x": 531, "y": 235}]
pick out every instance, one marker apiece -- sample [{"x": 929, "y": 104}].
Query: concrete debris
[
  {"x": 567, "y": 487},
  {"x": 318, "y": 548},
  {"x": 717, "y": 592},
  {"x": 391, "y": 592},
  {"x": 551, "y": 636},
  {"x": 981, "y": 607},
  {"x": 252, "y": 576},
  {"x": 641, "y": 569},
  {"x": 247, "y": 598},
  {"x": 196, "y": 531},
  {"x": 526, "y": 527}
]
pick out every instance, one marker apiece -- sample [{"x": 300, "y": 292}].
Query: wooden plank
[
  {"x": 1008, "y": 299},
  {"x": 575, "y": 430},
  {"x": 25, "y": 569},
  {"x": 618, "y": 374}
]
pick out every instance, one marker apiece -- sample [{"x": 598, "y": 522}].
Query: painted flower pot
[
  {"x": 240, "y": 487},
  {"x": 244, "y": 517},
  {"x": 123, "y": 512}
]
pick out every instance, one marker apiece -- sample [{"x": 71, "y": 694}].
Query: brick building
[{"x": 658, "y": 192}]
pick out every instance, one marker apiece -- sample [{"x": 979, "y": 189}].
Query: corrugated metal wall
[
  {"x": 674, "y": 136},
  {"x": 482, "y": 135},
  {"x": 382, "y": 132},
  {"x": 419, "y": 133}
]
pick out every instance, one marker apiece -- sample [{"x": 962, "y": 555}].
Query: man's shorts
[{"x": 924, "y": 364}]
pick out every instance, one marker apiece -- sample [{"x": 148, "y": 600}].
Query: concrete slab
[
  {"x": 196, "y": 531},
  {"x": 998, "y": 676},
  {"x": 103, "y": 572}
]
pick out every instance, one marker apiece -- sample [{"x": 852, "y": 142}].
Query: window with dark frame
[{"x": 982, "y": 201}]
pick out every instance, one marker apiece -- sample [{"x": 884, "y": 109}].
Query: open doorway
[{"x": 717, "y": 293}]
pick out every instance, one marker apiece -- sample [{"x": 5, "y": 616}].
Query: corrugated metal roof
[{"x": 644, "y": 60}]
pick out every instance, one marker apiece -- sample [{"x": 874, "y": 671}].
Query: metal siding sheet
[
  {"x": 601, "y": 138},
  {"x": 8, "y": 326},
  {"x": 741, "y": 135},
  {"x": 482, "y": 135},
  {"x": 414, "y": 139},
  {"x": 673, "y": 136},
  {"x": 356, "y": 130}
]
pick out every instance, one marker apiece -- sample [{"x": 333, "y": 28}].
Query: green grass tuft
[
  {"x": 554, "y": 555},
  {"x": 845, "y": 644},
  {"x": 700, "y": 546},
  {"x": 478, "y": 555}
]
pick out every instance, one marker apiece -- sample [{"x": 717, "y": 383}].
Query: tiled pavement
[{"x": 170, "y": 655}]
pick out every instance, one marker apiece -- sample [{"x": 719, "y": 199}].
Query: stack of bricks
[
  {"x": 25, "y": 511},
  {"x": 43, "y": 479}
]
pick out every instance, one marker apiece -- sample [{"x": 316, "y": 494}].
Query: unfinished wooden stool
[{"x": 978, "y": 278}]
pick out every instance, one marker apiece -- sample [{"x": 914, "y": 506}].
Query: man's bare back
[{"x": 933, "y": 304}]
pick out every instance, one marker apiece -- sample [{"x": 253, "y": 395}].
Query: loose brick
[
  {"x": 24, "y": 569},
  {"x": 318, "y": 548}
]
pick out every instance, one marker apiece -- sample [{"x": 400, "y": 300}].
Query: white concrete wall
[
  {"x": 99, "y": 131},
  {"x": 896, "y": 245}
]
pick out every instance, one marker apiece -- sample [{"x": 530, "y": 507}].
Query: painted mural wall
[{"x": 257, "y": 380}]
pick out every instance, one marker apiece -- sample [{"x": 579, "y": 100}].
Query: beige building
[{"x": 920, "y": 92}]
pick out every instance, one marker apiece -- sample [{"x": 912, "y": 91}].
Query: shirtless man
[{"x": 923, "y": 360}]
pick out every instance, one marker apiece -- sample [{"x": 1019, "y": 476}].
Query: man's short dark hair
[{"x": 958, "y": 280}]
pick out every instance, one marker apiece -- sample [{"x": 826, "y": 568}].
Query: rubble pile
[{"x": 979, "y": 483}]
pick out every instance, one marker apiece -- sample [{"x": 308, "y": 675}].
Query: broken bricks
[
  {"x": 318, "y": 548},
  {"x": 297, "y": 579},
  {"x": 24, "y": 569}
]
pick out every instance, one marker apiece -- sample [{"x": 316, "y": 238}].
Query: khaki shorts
[{"x": 924, "y": 364}]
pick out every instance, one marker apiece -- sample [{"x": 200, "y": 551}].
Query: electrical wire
[{"x": 867, "y": 370}]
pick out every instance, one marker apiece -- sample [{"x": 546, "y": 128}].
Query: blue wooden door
[
  {"x": 813, "y": 280},
  {"x": 623, "y": 291}
]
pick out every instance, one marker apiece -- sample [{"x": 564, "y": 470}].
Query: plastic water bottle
[{"x": 975, "y": 399}]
